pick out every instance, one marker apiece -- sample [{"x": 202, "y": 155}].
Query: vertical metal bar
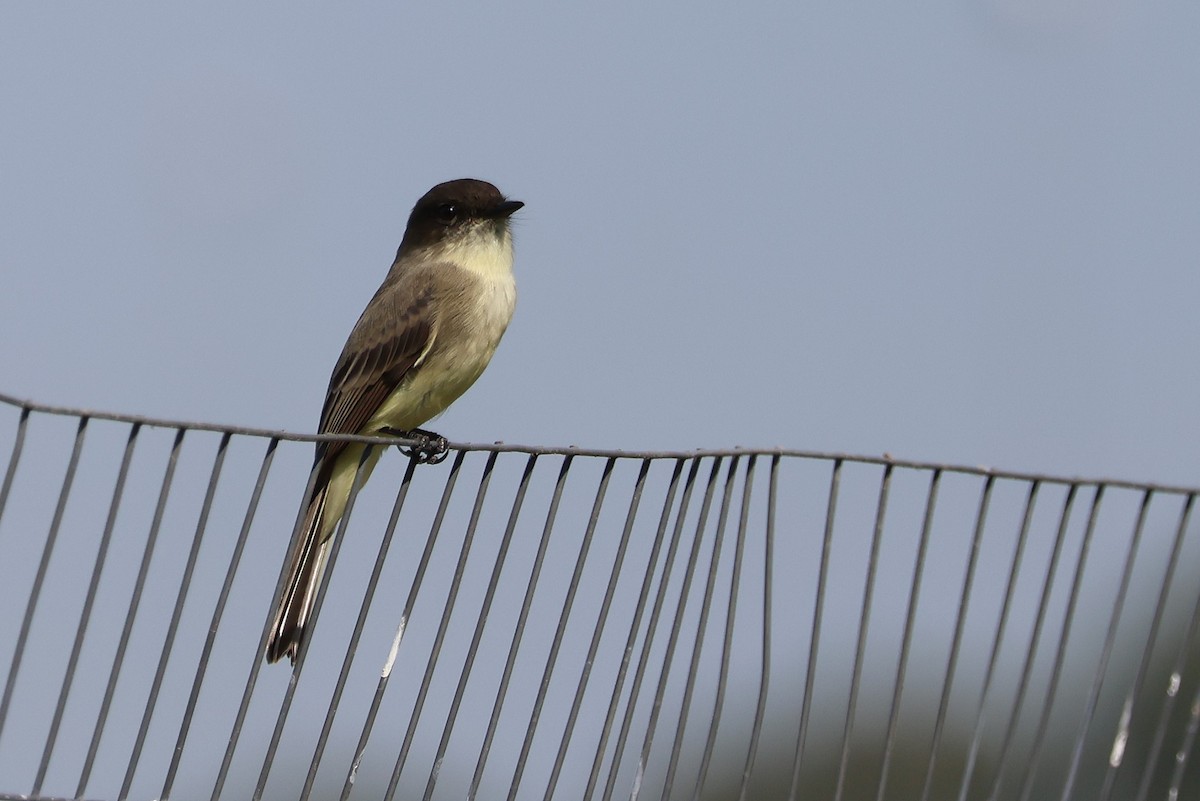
[
  {"x": 701, "y": 625},
  {"x": 355, "y": 636},
  {"x": 447, "y": 612},
  {"x": 634, "y": 626},
  {"x": 760, "y": 708},
  {"x": 86, "y": 613},
  {"x": 914, "y": 597},
  {"x": 485, "y": 610},
  {"x": 964, "y": 603},
  {"x": 863, "y": 627},
  {"x": 730, "y": 618},
  {"x": 648, "y": 641},
  {"x": 1110, "y": 638},
  {"x": 40, "y": 577},
  {"x": 1186, "y": 646},
  {"x": 135, "y": 599},
  {"x": 1116, "y": 756},
  {"x": 13, "y": 459},
  {"x": 673, "y": 638},
  {"x": 518, "y": 631},
  {"x": 257, "y": 660},
  {"x": 552, "y": 658},
  {"x": 181, "y": 596},
  {"x": 285, "y": 706},
  {"x": 818, "y": 612},
  {"x": 1034, "y": 638},
  {"x": 598, "y": 629},
  {"x": 993, "y": 657},
  {"x": 1184, "y": 752},
  {"x": 218, "y": 612},
  {"x": 418, "y": 579},
  {"x": 1031, "y": 765}
]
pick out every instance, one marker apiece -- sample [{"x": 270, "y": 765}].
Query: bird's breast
[{"x": 468, "y": 330}]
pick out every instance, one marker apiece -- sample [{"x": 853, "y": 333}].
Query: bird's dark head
[{"x": 456, "y": 211}]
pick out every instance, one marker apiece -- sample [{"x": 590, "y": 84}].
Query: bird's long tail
[{"x": 306, "y": 567}]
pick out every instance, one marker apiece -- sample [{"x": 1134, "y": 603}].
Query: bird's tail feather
[{"x": 305, "y": 570}]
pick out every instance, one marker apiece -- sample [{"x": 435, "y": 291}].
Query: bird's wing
[{"x": 389, "y": 341}]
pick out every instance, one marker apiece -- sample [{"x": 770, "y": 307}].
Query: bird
[{"x": 424, "y": 338}]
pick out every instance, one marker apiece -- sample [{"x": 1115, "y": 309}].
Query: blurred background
[{"x": 962, "y": 232}]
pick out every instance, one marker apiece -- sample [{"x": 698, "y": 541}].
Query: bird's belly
[{"x": 449, "y": 370}]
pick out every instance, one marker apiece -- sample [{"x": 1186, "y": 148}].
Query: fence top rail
[{"x": 885, "y": 459}]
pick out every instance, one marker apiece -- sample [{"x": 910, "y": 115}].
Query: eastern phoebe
[{"x": 424, "y": 338}]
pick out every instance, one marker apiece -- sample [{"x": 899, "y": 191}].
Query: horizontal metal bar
[{"x": 544, "y": 450}]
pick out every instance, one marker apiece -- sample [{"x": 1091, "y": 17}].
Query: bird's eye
[{"x": 447, "y": 213}]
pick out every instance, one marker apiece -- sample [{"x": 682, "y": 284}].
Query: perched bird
[{"x": 427, "y": 334}]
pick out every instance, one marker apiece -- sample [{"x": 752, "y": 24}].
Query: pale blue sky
[{"x": 960, "y": 231}]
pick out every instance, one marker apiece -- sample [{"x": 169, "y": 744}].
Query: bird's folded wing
[{"x": 388, "y": 342}]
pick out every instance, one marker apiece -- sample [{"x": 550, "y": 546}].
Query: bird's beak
[{"x": 506, "y": 209}]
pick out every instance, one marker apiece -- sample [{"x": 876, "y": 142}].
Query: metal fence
[{"x": 525, "y": 622}]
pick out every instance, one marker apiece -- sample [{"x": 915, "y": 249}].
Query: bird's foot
[{"x": 428, "y": 447}]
